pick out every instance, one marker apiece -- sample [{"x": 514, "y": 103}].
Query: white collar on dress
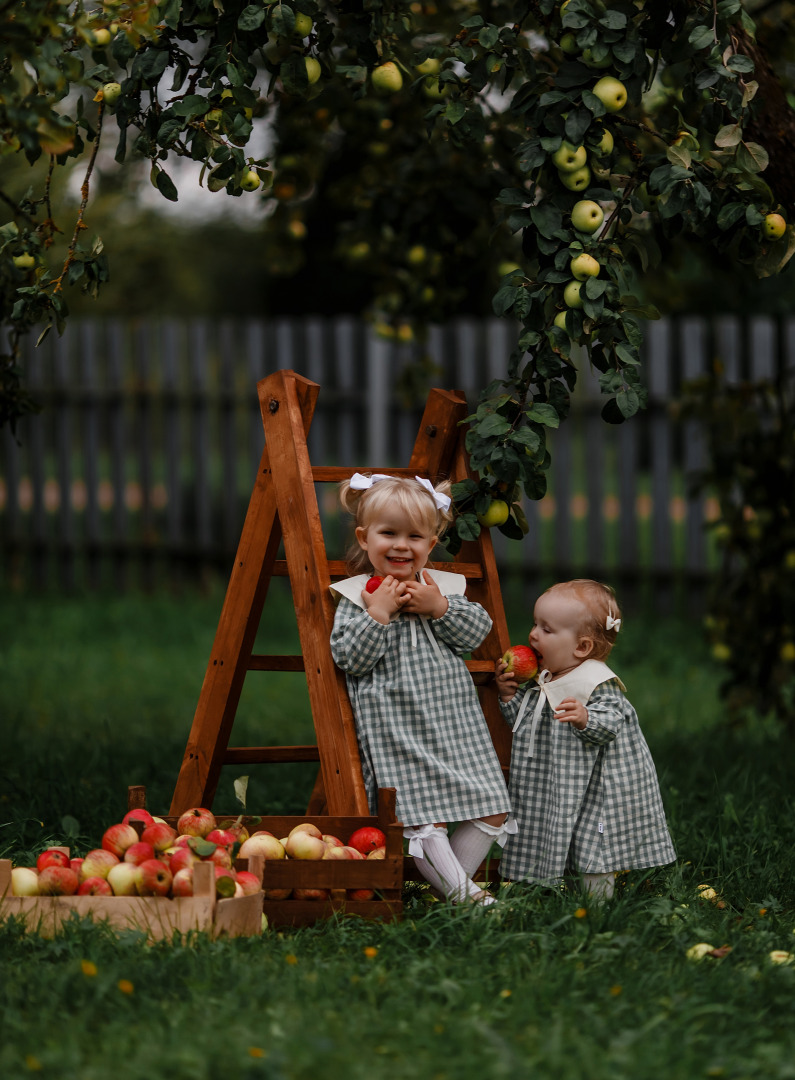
[{"x": 351, "y": 588}]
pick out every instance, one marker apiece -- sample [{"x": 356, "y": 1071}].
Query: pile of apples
[
  {"x": 143, "y": 856},
  {"x": 306, "y": 841}
]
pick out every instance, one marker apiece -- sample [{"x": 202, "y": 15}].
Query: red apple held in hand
[
  {"x": 52, "y": 857},
  {"x": 265, "y": 844},
  {"x": 95, "y": 886},
  {"x": 522, "y": 662},
  {"x": 97, "y": 863},
  {"x": 155, "y": 878},
  {"x": 373, "y": 583},
  {"x": 118, "y": 838},
  {"x": 182, "y": 885},
  {"x": 123, "y": 878},
  {"x": 367, "y": 839},
  {"x": 139, "y": 852},
  {"x": 58, "y": 881},
  {"x": 302, "y": 845},
  {"x": 197, "y": 821},
  {"x": 143, "y": 817},
  {"x": 24, "y": 881},
  {"x": 248, "y": 882},
  {"x": 159, "y": 835}
]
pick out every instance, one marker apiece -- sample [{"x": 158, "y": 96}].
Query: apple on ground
[
  {"x": 123, "y": 878},
  {"x": 303, "y": 845},
  {"x": 576, "y": 181},
  {"x": 95, "y": 886},
  {"x": 139, "y": 852},
  {"x": 248, "y": 882},
  {"x": 522, "y": 662},
  {"x": 774, "y": 226},
  {"x": 154, "y": 878},
  {"x": 569, "y": 158},
  {"x": 262, "y": 843},
  {"x": 140, "y": 815},
  {"x": 24, "y": 881},
  {"x": 182, "y": 883},
  {"x": 58, "y": 881},
  {"x": 97, "y": 863},
  {"x": 571, "y": 294},
  {"x": 386, "y": 78},
  {"x": 52, "y": 857},
  {"x": 611, "y": 92},
  {"x": 587, "y": 215},
  {"x": 367, "y": 839},
  {"x": 159, "y": 835},
  {"x": 197, "y": 821},
  {"x": 117, "y": 838},
  {"x": 583, "y": 266}
]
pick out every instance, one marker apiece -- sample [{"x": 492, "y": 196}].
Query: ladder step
[
  {"x": 263, "y": 755},
  {"x": 261, "y": 662}
]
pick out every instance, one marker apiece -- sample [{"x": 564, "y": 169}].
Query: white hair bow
[
  {"x": 360, "y": 482},
  {"x": 613, "y": 624}
]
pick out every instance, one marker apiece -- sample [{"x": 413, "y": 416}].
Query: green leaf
[
  {"x": 166, "y": 187},
  {"x": 729, "y": 135},
  {"x": 541, "y": 413},
  {"x": 547, "y": 218},
  {"x": 702, "y": 37},
  {"x": 752, "y": 157},
  {"x": 70, "y": 826},
  {"x": 241, "y": 787},
  {"x": 504, "y": 299},
  {"x": 467, "y": 526},
  {"x": 251, "y": 17},
  {"x": 492, "y": 425},
  {"x": 203, "y": 848},
  {"x": 282, "y": 20},
  {"x": 455, "y": 111}
]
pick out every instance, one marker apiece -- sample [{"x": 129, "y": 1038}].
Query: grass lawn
[{"x": 98, "y": 693}]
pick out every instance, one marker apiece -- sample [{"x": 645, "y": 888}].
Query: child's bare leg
[{"x": 472, "y": 840}]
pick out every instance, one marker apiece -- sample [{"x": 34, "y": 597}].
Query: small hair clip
[
  {"x": 613, "y": 624},
  {"x": 360, "y": 482}
]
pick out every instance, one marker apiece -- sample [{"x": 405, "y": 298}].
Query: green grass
[{"x": 100, "y": 692}]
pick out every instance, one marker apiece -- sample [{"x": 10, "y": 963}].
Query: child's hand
[
  {"x": 505, "y": 680},
  {"x": 425, "y": 598},
  {"x": 571, "y": 711},
  {"x": 388, "y": 599}
]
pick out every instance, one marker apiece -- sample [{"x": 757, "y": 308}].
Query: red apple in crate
[
  {"x": 224, "y": 837},
  {"x": 182, "y": 883},
  {"x": 75, "y": 864},
  {"x": 341, "y": 852},
  {"x": 302, "y": 845},
  {"x": 522, "y": 662},
  {"x": 331, "y": 841},
  {"x": 367, "y": 839},
  {"x": 123, "y": 879},
  {"x": 181, "y": 858},
  {"x": 262, "y": 843},
  {"x": 143, "y": 817},
  {"x": 310, "y": 894},
  {"x": 248, "y": 882},
  {"x": 155, "y": 878},
  {"x": 360, "y": 894},
  {"x": 52, "y": 857},
  {"x": 159, "y": 835},
  {"x": 97, "y": 863},
  {"x": 24, "y": 881},
  {"x": 95, "y": 886},
  {"x": 377, "y": 853},
  {"x": 373, "y": 583},
  {"x": 58, "y": 881},
  {"x": 139, "y": 852},
  {"x": 221, "y": 857},
  {"x": 353, "y": 853},
  {"x": 225, "y": 881},
  {"x": 277, "y": 894},
  {"x": 118, "y": 838},
  {"x": 237, "y": 828},
  {"x": 197, "y": 821}
]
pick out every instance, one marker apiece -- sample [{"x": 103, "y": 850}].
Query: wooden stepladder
[{"x": 284, "y": 507}]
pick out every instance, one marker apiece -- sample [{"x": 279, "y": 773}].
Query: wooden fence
[{"x": 139, "y": 467}]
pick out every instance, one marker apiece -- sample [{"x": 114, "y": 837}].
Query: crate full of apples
[{"x": 146, "y": 874}]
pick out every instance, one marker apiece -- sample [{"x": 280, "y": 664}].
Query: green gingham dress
[
  {"x": 585, "y": 801},
  {"x": 420, "y": 726}
]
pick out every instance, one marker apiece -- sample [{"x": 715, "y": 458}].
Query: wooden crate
[
  {"x": 158, "y": 916},
  {"x": 384, "y": 876}
]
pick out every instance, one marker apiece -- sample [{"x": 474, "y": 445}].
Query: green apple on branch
[{"x": 587, "y": 216}]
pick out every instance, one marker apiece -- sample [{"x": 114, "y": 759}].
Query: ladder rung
[{"x": 263, "y": 755}]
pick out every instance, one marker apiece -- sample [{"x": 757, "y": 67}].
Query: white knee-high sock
[
  {"x": 452, "y": 878},
  {"x": 471, "y": 842},
  {"x": 600, "y": 886}
]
